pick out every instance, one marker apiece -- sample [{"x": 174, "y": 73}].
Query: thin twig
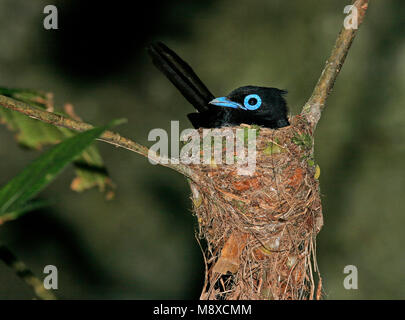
[
  {"x": 313, "y": 108},
  {"x": 25, "y": 274},
  {"x": 108, "y": 136}
]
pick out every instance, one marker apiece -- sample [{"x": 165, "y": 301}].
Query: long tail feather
[{"x": 181, "y": 75}]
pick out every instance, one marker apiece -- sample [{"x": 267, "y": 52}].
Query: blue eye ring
[{"x": 254, "y": 106}]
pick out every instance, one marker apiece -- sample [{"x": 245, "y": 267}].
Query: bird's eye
[{"x": 252, "y": 102}]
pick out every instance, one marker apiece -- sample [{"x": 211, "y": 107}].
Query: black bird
[{"x": 249, "y": 104}]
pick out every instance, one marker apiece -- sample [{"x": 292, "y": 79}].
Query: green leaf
[
  {"x": 33, "y": 134},
  {"x": 37, "y": 175},
  {"x": 27, "y": 207}
]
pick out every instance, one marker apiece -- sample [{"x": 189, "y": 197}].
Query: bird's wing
[{"x": 181, "y": 75}]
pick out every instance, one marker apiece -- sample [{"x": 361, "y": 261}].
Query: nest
[{"x": 260, "y": 229}]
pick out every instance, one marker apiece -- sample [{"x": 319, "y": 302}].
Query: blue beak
[{"x": 225, "y": 102}]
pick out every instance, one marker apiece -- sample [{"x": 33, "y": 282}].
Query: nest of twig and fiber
[{"x": 260, "y": 229}]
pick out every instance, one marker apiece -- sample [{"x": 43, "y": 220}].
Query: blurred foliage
[
  {"x": 89, "y": 167},
  {"x": 141, "y": 245},
  {"x": 16, "y": 196}
]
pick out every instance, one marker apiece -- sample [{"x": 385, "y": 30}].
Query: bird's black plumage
[{"x": 249, "y": 104}]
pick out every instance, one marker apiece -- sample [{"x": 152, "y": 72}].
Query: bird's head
[{"x": 266, "y": 105}]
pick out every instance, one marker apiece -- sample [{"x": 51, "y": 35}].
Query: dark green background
[{"x": 141, "y": 245}]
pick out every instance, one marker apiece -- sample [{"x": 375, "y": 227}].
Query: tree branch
[
  {"x": 25, "y": 274},
  {"x": 313, "y": 108},
  {"x": 108, "y": 136}
]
